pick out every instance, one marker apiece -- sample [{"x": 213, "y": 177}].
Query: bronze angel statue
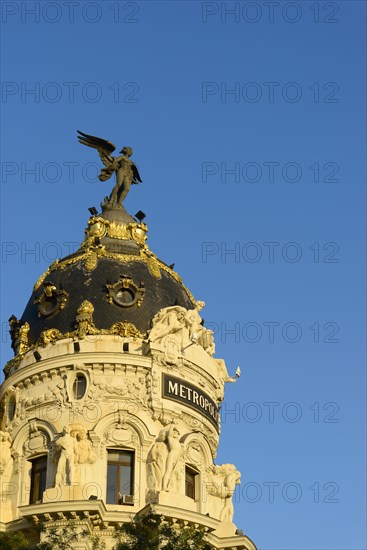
[{"x": 126, "y": 171}]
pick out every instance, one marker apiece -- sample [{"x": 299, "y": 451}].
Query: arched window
[
  {"x": 79, "y": 386},
  {"x": 38, "y": 479},
  {"x": 120, "y": 477}
]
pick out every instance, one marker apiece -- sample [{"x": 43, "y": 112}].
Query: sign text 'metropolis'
[{"x": 180, "y": 390}]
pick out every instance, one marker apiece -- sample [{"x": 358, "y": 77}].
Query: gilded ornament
[
  {"x": 125, "y": 292},
  {"x": 84, "y": 326},
  {"x": 40, "y": 280},
  {"x": 92, "y": 255},
  {"x": 130, "y": 231},
  {"x": 118, "y": 230},
  {"x": 22, "y": 344},
  {"x": 97, "y": 227},
  {"x": 85, "y": 310},
  {"x": 50, "y": 300},
  {"x": 90, "y": 260},
  {"x": 84, "y": 320},
  {"x": 139, "y": 232},
  {"x": 49, "y": 336},
  {"x": 126, "y": 330},
  {"x": 153, "y": 266}
]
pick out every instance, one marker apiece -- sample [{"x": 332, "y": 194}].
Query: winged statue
[{"x": 125, "y": 169}]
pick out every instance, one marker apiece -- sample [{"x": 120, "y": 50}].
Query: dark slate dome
[{"x": 113, "y": 270}]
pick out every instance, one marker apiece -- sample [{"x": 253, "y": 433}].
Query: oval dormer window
[{"x": 79, "y": 386}]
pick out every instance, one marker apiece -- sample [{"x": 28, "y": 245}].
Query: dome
[{"x": 112, "y": 284}]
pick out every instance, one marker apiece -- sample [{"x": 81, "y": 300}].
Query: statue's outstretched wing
[
  {"x": 105, "y": 148},
  {"x": 137, "y": 177}
]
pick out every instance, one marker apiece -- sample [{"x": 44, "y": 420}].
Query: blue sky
[{"x": 247, "y": 121}]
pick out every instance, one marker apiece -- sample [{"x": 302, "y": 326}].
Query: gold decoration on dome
[
  {"x": 126, "y": 329},
  {"x": 91, "y": 260},
  {"x": 19, "y": 335},
  {"x": 85, "y": 310},
  {"x": 86, "y": 326},
  {"x": 117, "y": 230},
  {"x": 130, "y": 231},
  {"x": 40, "y": 280},
  {"x": 22, "y": 342},
  {"x": 49, "y": 336},
  {"x": 50, "y": 300},
  {"x": 91, "y": 257},
  {"x": 125, "y": 292},
  {"x": 99, "y": 227},
  {"x": 139, "y": 232},
  {"x": 155, "y": 265},
  {"x": 84, "y": 320}
]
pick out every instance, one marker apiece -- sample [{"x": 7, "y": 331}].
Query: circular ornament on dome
[
  {"x": 125, "y": 292},
  {"x": 51, "y": 299}
]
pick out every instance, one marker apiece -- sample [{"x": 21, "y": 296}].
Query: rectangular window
[
  {"x": 190, "y": 482},
  {"x": 38, "y": 479},
  {"x": 120, "y": 477}
]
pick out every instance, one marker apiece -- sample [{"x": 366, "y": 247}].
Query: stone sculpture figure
[
  {"x": 84, "y": 453},
  {"x": 197, "y": 332},
  {"x": 194, "y": 322},
  {"x": 168, "y": 321},
  {"x": 66, "y": 447},
  {"x": 223, "y": 480},
  {"x": 174, "y": 453},
  {"x": 126, "y": 170},
  {"x": 5, "y": 453},
  {"x": 231, "y": 479},
  {"x": 156, "y": 462},
  {"x": 181, "y": 326},
  {"x": 163, "y": 461}
]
